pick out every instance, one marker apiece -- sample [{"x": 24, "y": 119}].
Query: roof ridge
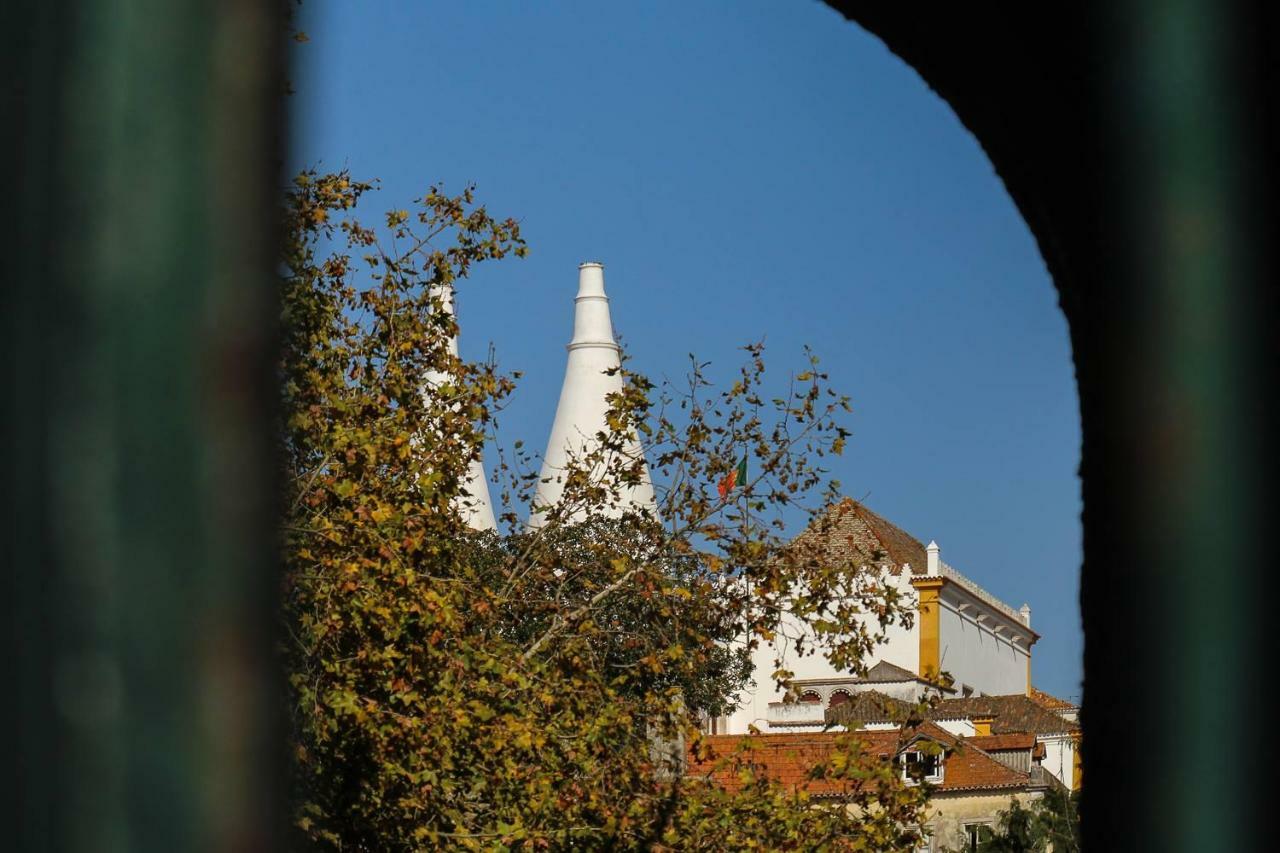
[
  {"x": 883, "y": 664},
  {"x": 987, "y": 597},
  {"x": 878, "y": 535},
  {"x": 1051, "y": 702},
  {"x": 1014, "y": 709}
]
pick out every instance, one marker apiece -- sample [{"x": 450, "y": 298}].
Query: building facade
[
  {"x": 969, "y": 785},
  {"x": 963, "y": 641}
]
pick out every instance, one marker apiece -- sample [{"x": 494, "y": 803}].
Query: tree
[
  {"x": 1049, "y": 823},
  {"x": 482, "y": 691}
]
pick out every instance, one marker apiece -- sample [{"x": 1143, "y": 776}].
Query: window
[
  {"x": 918, "y": 766},
  {"x": 975, "y": 835},
  {"x": 810, "y": 696},
  {"x": 838, "y": 698}
]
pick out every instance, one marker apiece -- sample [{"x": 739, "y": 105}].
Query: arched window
[
  {"x": 839, "y": 698},
  {"x": 810, "y": 696}
]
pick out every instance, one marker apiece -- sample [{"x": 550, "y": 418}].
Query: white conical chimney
[
  {"x": 476, "y": 508},
  {"x": 582, "y": 408}
]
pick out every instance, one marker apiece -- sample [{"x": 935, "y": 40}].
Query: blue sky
[{"x": 744, "y": 170}]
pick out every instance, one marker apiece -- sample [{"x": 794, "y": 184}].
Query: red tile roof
[
  {"x": 849, "y": 532},
  {"x": 790, "y": 759},
  {"x": 889, "y": 672},
  {"x": 990, "y": 743},
  {"x": 870, "y": 706},
  {"x": 1012, "y": 713},
  {"x": 1053, "y": 703}
]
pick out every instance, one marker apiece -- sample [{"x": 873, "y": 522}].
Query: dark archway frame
[
  {"x": 1130, "y": 136},
  {"x": 143, "y": 140}
]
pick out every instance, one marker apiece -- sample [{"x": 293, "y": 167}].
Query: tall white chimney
[
  {"x": 593, "y": 352},
  {"x": 475, "y": 508}
]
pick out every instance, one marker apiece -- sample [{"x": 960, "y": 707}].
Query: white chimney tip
[
  {"x": 934, "y": 567},
  {"x": 591, "y": 281},
  {"x": 1025, "y": 610}
]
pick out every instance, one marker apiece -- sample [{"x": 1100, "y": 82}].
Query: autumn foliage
[{"x": 539, "y": 689}]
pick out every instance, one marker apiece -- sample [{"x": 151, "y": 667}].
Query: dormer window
[{"x": 919, "y": 766}]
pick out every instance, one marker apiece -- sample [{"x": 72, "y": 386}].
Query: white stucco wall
[
  {"x": 1059, "y": 756},
  {"x": 959, "y": 728},
  {"x": 983, "y": 644},
  {"x": 974, "y": 653},
  {"x": 901, "y": 648},
  {"x": 948, "y": 813}
]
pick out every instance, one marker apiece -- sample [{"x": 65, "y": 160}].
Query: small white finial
[
  {"x": 1025, "y": 610},
  {"x": 935, "y": 559}
]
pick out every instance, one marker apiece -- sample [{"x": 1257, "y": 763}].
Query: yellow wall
[
  {"x": 1077, "y": 766},
  {"x": 928, "y": 620}
]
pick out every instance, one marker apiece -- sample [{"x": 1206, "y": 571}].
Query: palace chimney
[
  {"x": 580, "y": 414},
  {"x": 474, "y": 505}
]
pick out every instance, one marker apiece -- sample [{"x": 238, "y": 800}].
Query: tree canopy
[
  {"x": 1049, "y": 823},
  {"x": 450, "y": 688}
]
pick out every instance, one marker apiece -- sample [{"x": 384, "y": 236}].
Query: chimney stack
[
  {"x": 580, "y": 414},
  {"x": 935, "y": 559},
  {"x": 476, "y": 508},
  {"x": 1026, "y": 614}
]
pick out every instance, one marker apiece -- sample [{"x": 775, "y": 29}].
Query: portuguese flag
[{"x": 731, "y": 480}]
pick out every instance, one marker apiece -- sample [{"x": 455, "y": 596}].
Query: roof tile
[
  {"x": 790, "y": 758},
  {"x": 848, "y": 531},
  {"x": 1013, "y": 713},
  {"x": 1053, "y": 703}
]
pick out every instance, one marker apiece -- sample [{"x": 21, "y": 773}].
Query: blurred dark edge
[
  {"x": 139, "y": 329},
  {"x": 1135, "y": 138},
  {"x": 140, "y": 562}
]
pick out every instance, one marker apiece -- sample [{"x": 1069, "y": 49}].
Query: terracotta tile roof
[
  {"x": 1053, "y": 703},
  {"x": 870, "y": 706},
  {"x": 882, "y": 672},
  {"x": 888, "y": 672},
  {"x": 994, "y": 743},
  {"x": 789, "y": 759},
  {"x": 785, "y": 758},
  {"x": 970, "y": 768},
  {"x": 1015, "y": 713},
  {"x": 851, "y": 532}
]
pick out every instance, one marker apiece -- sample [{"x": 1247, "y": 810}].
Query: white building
[
  {"x": 966, "y": 649},
  {"x": 963, "y": 640}
]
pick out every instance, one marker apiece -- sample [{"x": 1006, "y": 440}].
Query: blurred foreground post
[{"x": 142, "y": 140}]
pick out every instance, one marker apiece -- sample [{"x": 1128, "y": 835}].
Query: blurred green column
[
  {"x": 1187, "y": 156},
  {"x": 138, "y": 330}
]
